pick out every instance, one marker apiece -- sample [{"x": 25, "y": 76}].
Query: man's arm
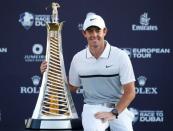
[
  {"x": 125, "y": 100},
  {"x": 72, "y": 88},
  {"x": 127, "y": 97},
  {"x": 43, "y": 67}
]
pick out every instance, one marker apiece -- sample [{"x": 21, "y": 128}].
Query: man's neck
[{"x": 97, "y": 51}]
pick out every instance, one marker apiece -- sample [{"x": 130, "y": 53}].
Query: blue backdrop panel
[{"x": 141, "y": 28}]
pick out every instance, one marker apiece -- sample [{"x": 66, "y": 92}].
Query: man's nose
[{"x": 94, "y": 33}]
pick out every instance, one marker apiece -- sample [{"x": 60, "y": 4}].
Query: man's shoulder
[
  {"x": 80, "y": 53},
  {"x": 118, "y": 51}
]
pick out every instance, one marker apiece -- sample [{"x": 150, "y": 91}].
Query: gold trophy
[{"x": 54, "y": 108}]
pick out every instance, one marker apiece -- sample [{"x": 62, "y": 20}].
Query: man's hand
[
  {"x": 43, "y": 67},
  {"x": 104, "y": 116}
]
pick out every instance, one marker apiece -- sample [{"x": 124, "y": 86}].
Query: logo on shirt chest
[{"x": 108, "y": 66}]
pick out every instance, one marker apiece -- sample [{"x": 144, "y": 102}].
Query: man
[{"x": 105, "y": 72}]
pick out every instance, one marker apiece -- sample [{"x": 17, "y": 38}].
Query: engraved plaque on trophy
[{"x": 54, "y": 108}]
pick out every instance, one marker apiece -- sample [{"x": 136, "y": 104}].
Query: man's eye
[{"x": 98, "y": 30}]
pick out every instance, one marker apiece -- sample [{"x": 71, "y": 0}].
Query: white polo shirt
[{"x": 101, "y": 78}]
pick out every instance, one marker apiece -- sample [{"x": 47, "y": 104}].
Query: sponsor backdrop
[{"x": 142, "y": 28}]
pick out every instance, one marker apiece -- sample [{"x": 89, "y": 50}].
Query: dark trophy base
[{"x": 74, "y": 124}]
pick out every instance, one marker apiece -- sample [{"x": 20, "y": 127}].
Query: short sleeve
[
  {"x": 126, "y": 70},
  {"x": 74, "y": 78}
]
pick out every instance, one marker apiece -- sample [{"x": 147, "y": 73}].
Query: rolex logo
[
  {"x": 35, "y": 80},
  {"x": 142, "y": 80}
]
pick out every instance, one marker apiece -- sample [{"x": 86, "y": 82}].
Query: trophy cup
[{"x": 54, "y": 108}]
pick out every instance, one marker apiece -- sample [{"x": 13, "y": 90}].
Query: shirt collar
[{"x": 105, "y": 53}]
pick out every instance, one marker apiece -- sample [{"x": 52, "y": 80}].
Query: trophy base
[{"x": 53, "y": 124}]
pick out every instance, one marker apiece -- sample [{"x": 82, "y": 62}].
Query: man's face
[{"x": 95, "y": 36}]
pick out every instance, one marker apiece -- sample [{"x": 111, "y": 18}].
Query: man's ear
[
  {"x": 105, "y": 30},
  {"x": 84, "y": 33}
]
